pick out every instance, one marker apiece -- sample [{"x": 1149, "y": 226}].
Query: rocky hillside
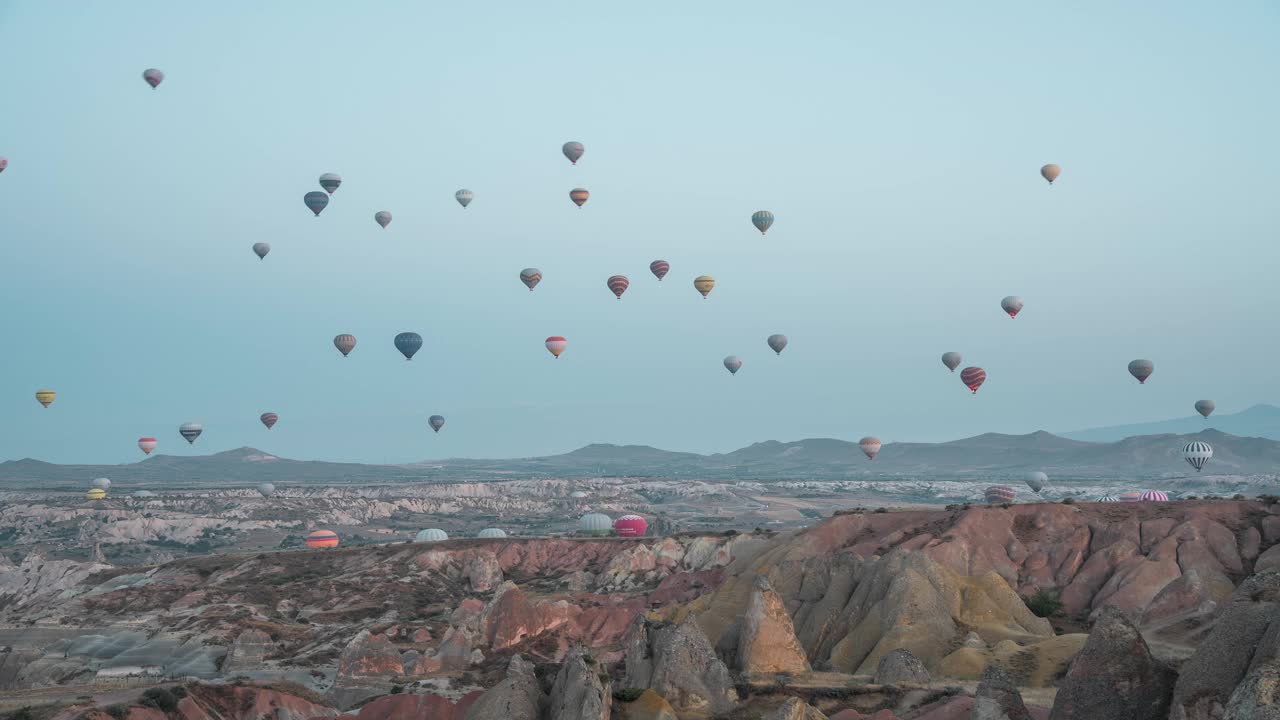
[{"x": 914, "y": 614}]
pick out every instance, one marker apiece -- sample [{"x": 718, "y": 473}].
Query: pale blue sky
[{"x": 898, "y": 144}]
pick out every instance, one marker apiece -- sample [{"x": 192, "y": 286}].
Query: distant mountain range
[
  {"x": 1258, "y": 421},
  {"x": 991, "y": 455}
]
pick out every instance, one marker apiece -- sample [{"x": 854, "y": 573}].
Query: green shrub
[
  {"x": 397, "y": 689},
  {"x": 163, "y": 699},
  {"x": 1044, "y": 603},
  {"x": 118, "y": 711},
  {"x": 628, "y": 694}
]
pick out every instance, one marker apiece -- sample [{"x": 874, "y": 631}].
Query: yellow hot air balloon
[
  {"x": 45, "y": 397},
  {"x": 96, "y": 494},
  {"x": 704, "y": 283}
]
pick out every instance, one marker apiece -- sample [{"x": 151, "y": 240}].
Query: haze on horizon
[{"x": 899, "y": 155}]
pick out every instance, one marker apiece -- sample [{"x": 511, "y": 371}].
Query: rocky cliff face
[
  {"x": 678, "y": 663},
  {"x": 582, "y": 690},
  {"x": 767, "y": 640},
  {"x": 1114, "y": 677},
  {"x": 517, "y": 696},
  {"x": 247, "y": 652}
]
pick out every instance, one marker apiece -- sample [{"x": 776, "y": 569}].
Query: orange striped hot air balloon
[
  {"x": 618, "y": 284},
  {"x": 1000, "y": 494},
  {"x": 659, "y": 268},
  {"x": 45, "y": 397},
  {"x": 322, "y": 539},
  {"x": 579, "y": 196}
]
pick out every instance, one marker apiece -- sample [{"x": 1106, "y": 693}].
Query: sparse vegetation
[
  {"x": 1045, "y": 603},
  {"x": 881, "y": 510},
  {"x": 118, "y": 711},
  {"x": 1068, "y": 501},
  {"x": 397, "y": 689},
  {"x": 163, "y": 699},
  {"x": 628, "y": 694}
]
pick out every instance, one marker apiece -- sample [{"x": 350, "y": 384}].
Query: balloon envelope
[
  {"x": 579, "y": 196},
  {"x": 316, "y": 201},
  {"x": 763, "y": 220},
  {"x": 1012, "y": 305},
  {"x": 269, "y": 419},
  {"x": 704, "y": 284},
  {"x": 870, "y": 446},
  {"x": 322, "y": 539},
  {"x": 556, "y": 345},
  {"x": 431, "y": 535},
  {"x": 96, "y": 494},
  {"x": 147, "y": 444},
  {"x": 492, "y": 533},
  {"x": 1037, "y": 480},
  {"x": 4, "y": 163},
  {"x": 1000, "y": 494},
  {"x": 1197, "y": 453},
  {"x": 618, "y": 284},
  {"x": 102, "y": 483},
  {"x": 659, "y": 268},
  {"x": 973, "y": 377},
  {"x": 153, "y": 77},
  {"x": 1205, "y": 407},
  {"x": 733, "y": 364},
  {"x": 777, "y": 343},
  {"x": 383, "y": 218},
  {"x": 1141, "y": 369},
  {"x": 46, "y": 397},
  {"x": 952, "y": 360},
  {"x": 531, "y": 277},
  {"x": 1050, "y": 172},
  {"x": 464, "y": 197},
  {"x": 573, "y": 150},
  {"x": 630, "y": 526},
  {"x": 408, "y": 343},
  {"x": 267, "y": 489},
  {"x": 436, "y": 422},
  {"x": 261, "y": 249},
  {"x": 330, "y": 182},
  {"x": 190, "y": 431},
  {"x": 595, "y": 524},
  {"x": 345, "y": 343}
]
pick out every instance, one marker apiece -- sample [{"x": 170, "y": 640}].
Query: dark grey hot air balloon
[
  {"x": 1037, "y": 480},
  {"x": 408, "y": 343},
  {"x": 316, "y": 201},
  {"x": 330, "y": 182},
  {"x": 531, "y": 277},
  {"x": 261, "y": 249},
  {"x": 573, "y": 150},
  {"x": 1141, "y": 369},
  {"x": 267, "y": 489},
  {"x": 733, "y": 364},
  {"x": 1205, "y": 407},
  {"x": 436, "y": 422},
  {"x": 383, "y": 218},
  {"x": 464, "y": 197},
  {"x": 190, "y": 431},
  {"x": 777, "y": 343},
  {"x": 952, "y": 360},
  {"x": 153, "y": 77},
  {"x": 1012, "y": 305},
  {"x": 345, "y": 343}
]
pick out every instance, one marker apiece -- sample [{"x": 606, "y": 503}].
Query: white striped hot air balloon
[
  {"x": 1154, "y": 496},
  {"x": 1108, "y": 498},
  {"x": 1197, "y": 453}
]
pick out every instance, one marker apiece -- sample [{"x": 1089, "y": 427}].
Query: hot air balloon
[
  {"x": 573, "y": 150},
  {"x": 383, "y": 218},
  {"x": 322, "y": 539},
  {"x": 1142, "y": 370},
  {"x": 436, "y": 422},
  {"x": 153, "y": 77},
  {"x": 408, "y": 343},
  {"x": 1154, "y": 496},
  {"x": 267, "y": 489},
  {"x": 96, "y": 494},
  {"x": 492, "y": 533},
  {"x": 190, "y": 431},
  {"x": 143, "y": 494},
  {"x": 345, "y": 343},
  {"x": 1107, "y": 498},
  {"x": 733, "y": 364},
  {"x": 261, "y": 249},
  {"x": 431, "y": 535},
  {"x": 595, "y": 524},
  {"x": 269, "y": 419},
  {"x": 630, "y": 526},
  {"x": 763, "y": 220},
  {"x": 579, "y": 196},
  {"x": 101, "y": 483},
  {"x": 870, "y": 447},
  {"x": 1050, "y": 172},
  {"x": 973, "y": 377},
  {"x": 618, "y": 284},
  {"x": 951, "y": 360},
  {"x": 704, "y": 284},
  {"x": 1205, "y": 407},
  {"x": 577, "y": 494},
  {"x": 1037, "y": 480},
  {"x": 330, "y": 182},
  {"x": 315, "y": 201},
  {"x": 464, "y": 197},
  {"x": 556, "y": 345},
  {"x": 1000, "y": 494},
  {"x": 1012, "y": 305},
  {"x": 659, "y": 268},
  {"x": 147, "y": 444},
  {"x": 777, "y": 343},
  {"x": 1131, "y": 496},
  {"x": 531, "y": 277},
  {"x": 4, "y": 163},
  {"x": 1197, "y": 453},
  {"x": 46, "y": 397}
]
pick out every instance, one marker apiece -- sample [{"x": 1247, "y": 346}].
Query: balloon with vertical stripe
[
  {"x": 763, "y": 220},
  {"x": 1197, "y": 453},
  {"x": 1154, "y": 496},
  {"x": 345, "y": 343}
]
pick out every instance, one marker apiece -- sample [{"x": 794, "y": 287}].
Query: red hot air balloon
[
  {"x": 322, "y": 539},
  {"x": 973, "y": 377},
  {"x": 659, "y": 268},
  {"x": 147, "y": 444},
  {"x": 579, "y": 196},
  {"x": 269, "y": 419},
  {"x": 556, "y": 345},
  {"x": 618, "y": 284},
  {"x": 630, "y": 526}
]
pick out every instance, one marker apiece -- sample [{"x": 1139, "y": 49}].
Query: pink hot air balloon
[
  {"x": 556, "y": 345},
  {"x": 269, "y": 419},
  {"x": 153, "y": 77},
  {"x": 4, "y": 163},
  {"x": 870, "y": 446},
  {"x": 147, "y": 444}
]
